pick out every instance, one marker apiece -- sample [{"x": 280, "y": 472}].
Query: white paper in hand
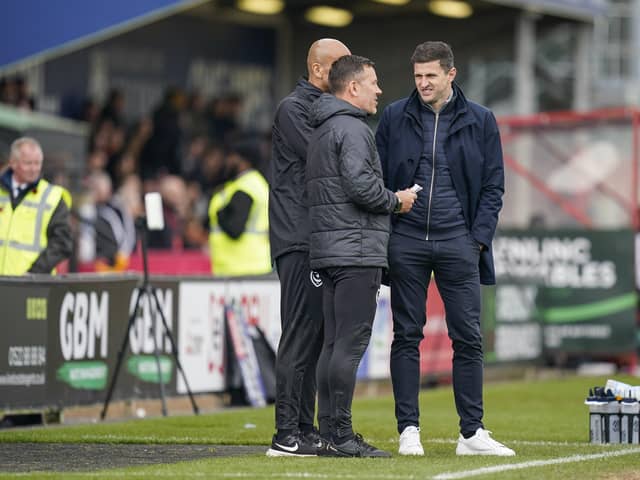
[
  {"x": 416, "y": 188},
  {"x": 153, "y": 210}
]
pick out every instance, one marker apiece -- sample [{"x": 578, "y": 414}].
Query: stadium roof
[{"x": 34, "y": 30}]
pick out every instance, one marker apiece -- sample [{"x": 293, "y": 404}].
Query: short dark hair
[
  {"x": 345, "y": 69},
  {"x": 431, "y": 51},
  {"x": 247, "y": 147}
]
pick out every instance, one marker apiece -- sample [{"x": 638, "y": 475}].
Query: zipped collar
[
  {"x": 458, "y": 103},
  {"x": 446, "y": 104}
]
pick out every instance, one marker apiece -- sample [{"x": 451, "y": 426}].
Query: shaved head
[{"x": 322, "y": 54}]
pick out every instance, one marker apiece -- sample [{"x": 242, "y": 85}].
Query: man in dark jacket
[
  {"x": 349, "y": 209},
  {"x": 451, "y": 146},
  {"x": 300, "y": 288}
]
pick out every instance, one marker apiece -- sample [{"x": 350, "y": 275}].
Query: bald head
[{"x": 322, "y": 54}]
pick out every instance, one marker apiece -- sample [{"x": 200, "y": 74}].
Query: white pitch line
[{"x": 532, "y": 464}]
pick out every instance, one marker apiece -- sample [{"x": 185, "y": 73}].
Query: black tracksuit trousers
[
  {"x": 300, "y": 341},
  {"x": 349, "y": 305}
]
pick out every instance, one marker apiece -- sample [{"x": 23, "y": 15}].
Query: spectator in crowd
[
  {"x": 35, "y": 233},
  {"x": 88, "y": 111},
  {"x": 24, "y": 100},
  {"x": 7, "y": 91},
  {"x": 194, "y": 121},
  {"x": 349, "y": 209},
  {"x": 451, "y": 146},
  {"x": 109, "y": 139},
  {"x": 207, "y": 175},
  {"x": 113, "y": 109},
  {"x": 300, "y": 288},
  {"x": 107, "y": 233},
  {"x": 96, "y": 161},
  {"x": 223, "y": 117},
  {"x": 173, "y": 191},
  {"x": 238, "y": 216},
  {"x": 129, "y": 195},
  {"x": 15, "y": 91},
  {"x": 161, "y": 154},
  {"x": 127, "y": 162},
  {"x": 193, "y": 157}
]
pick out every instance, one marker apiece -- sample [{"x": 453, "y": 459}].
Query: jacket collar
[
  {"x": 307, "y": 90},
  {"x": 6, "y": 180},
  {"x": 460, "y": 107}
]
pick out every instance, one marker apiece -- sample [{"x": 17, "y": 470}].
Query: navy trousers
[{"x": 454, "y": 264}]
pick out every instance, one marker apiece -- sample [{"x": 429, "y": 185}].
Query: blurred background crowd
[{"x": 179, "y": 149}]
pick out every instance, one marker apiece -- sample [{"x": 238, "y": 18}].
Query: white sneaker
[
  {"x": 482, "y": 444},
  {"x": 410, "y": 442}
]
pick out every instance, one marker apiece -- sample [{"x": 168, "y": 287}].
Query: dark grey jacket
[{"x": 349, "y": 205}]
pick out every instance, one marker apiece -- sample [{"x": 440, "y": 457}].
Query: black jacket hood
[{"x": 327, "y": 106}]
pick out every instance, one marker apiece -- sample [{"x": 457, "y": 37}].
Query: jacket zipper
[{"x": 433, "y": 173}]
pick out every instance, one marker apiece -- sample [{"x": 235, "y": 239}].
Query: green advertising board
[
  {"x": 88, "y": 325},
  {"x": 562, "y": 292},
  {"x": 23, "y": 345}
]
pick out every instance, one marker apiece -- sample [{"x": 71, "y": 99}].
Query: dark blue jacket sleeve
[
  {"x": 382, "y": 143},
  {"x": 492, "y": 189}
]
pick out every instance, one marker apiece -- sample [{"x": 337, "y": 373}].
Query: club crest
[{"x": 316, "y": 281}]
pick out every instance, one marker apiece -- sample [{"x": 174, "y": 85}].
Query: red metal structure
[
  {"x": 596, "y": 153},
  {"x": 573, "y": 170}
]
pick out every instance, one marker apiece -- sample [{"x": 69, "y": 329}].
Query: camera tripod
[{"x": 147, "y": 290}]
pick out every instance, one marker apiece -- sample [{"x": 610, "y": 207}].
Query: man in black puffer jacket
[{"x": 350, "y": 211}]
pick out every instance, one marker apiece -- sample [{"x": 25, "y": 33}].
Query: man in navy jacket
[{"x": 451, "y": 147}]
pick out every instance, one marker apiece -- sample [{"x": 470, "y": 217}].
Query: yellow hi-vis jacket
[
  {"x": 23, "y": 231},
  {"x": 248, "y": 254}
]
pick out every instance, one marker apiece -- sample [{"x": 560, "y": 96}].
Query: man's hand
[{"x": 406, "y": 197}]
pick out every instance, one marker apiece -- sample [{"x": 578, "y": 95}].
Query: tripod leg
[
  {"x": 174, "y": 352},
  {"x": 154, "y": 306},
  {"x": 123, "y": 347}
]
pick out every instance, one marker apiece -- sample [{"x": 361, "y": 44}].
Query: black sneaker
[
  {"x": 291, "y": 446},
  {"x": 313, "y": 438},
  {"x": 329, "y": 450},
  {"x": 326, "y": 448},
  {"x": 357, "y": 447}
]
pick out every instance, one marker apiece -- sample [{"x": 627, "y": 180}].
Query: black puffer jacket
[{"x": 349, "y": 205}]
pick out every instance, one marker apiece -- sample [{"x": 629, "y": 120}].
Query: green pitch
[{"x": 545, "y": 422}]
